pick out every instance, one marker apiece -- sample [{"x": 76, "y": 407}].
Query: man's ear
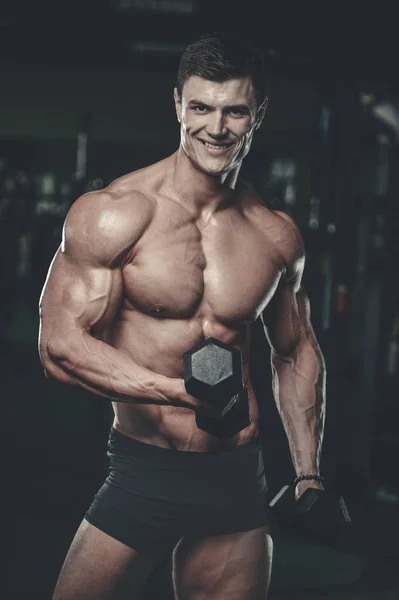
[
  {"x": 177, "y": 104},
  {"x": 261, "y": 112}
]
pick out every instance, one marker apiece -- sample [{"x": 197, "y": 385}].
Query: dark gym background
[{"x": 86, "y": 96}]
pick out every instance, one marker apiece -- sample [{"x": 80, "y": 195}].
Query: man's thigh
[
  {"x": 99, "y": 567},
  {"x": 236, "y": 566}
]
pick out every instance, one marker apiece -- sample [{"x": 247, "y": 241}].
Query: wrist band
[{"x": 318, "y": 478}]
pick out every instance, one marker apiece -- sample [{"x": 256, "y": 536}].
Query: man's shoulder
[
  {"x": 123, "y": 210},
  {"x": 274, "y": 221},
  {"x": 111, "y": 206},
  {"x": 108, "y": 222},
  {"x": 289, "y": 225},
  {"x": 281, "y": 231}
]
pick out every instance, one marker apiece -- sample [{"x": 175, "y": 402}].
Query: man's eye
[
  {"x": 200, "y": 108},
  {"x": 237, "y": 112}
]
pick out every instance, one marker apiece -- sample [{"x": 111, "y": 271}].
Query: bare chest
[{"x": 181, "y": 267}]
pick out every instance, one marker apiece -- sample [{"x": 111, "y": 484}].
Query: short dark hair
[{"x": 222, "y": 56}]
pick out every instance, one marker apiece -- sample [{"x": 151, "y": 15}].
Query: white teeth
[{"x": 216, "y": 146}]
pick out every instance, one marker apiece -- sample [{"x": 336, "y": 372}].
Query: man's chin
[
  {"x": 212, "y": 168},
  {"x": 214, "y": 172}
]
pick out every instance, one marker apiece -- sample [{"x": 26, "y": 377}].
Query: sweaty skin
[{"x": 173, "y": 254}]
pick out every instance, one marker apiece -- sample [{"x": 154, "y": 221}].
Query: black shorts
[{"x": 154, "y": 496}]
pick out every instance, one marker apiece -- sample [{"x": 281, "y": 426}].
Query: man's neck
[{"x": 198, "y": 190}]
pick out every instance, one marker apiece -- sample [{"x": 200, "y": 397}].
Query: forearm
[
  {"x": 98, "y": 367},
  {"x": 299, "y": 391}
]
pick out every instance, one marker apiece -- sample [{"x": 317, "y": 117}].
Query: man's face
[{"x": 218, "y": 121}]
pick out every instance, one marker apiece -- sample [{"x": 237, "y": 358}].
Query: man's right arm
[{"x": 83, "y": 291}]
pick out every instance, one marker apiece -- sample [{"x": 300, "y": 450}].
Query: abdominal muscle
[{"x": 158, "y": 344}]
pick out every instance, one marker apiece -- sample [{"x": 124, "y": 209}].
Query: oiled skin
[
  {"x": 200, "y": 280},
  {"x": 173, "y": 254},
  {"x": 184, "y": 280},
  {"x": 163, "y": 258}
]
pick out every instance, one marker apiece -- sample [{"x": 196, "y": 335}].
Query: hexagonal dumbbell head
[{"x": 213, "y": 371}]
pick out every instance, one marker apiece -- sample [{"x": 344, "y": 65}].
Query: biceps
[
  {"x": 79, "y": 297},
  {"x": 287, "y": 320}
]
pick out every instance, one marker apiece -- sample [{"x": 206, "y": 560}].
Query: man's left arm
[{"x": 298, "y": 367}]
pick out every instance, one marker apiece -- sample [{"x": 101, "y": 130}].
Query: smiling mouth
[{"x": 217, "y": 146}]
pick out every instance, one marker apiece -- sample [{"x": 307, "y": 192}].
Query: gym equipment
[
  {"x": 213, "y": 372},
  {"x": 318, "y": 514}
]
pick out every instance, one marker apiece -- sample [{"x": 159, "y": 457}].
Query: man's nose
[{"x": 217, "y": 126}]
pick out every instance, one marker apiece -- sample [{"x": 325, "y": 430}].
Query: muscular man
[{"x": 162, "y": 259}]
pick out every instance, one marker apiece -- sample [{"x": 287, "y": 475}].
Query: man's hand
[
  {"x": 302, "y": 486},
  {"x": 184, "y": 400}
]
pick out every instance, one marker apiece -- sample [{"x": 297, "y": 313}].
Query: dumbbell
[
  {"x": 213, "y": 372},
  {"x": 318, "y": 514}
]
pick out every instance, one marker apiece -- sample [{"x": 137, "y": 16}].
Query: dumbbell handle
[
  {"x": 237, "y": 410},
  {"x": 200, "y": 411}
]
